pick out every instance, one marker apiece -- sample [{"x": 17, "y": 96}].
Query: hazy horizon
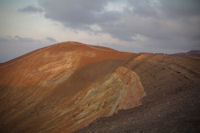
[{"x": 157, "y": 26}]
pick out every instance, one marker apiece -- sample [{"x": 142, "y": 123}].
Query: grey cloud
[
  {"x": 165, "y": 23},
  {"x": 31, "y": 9},
  {"x": 145, "y": 8},
  {"x": 12, "y": 47},
  {"x": 181, "y": 8},
  {"x": 74, "y": 13},
  {"x": 51, "y": 40}
]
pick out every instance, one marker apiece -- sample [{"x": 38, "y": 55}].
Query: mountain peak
[{"x": 69, "y": 85}]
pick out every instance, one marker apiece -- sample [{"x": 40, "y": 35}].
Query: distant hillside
[{"x": 190, "y": 53}]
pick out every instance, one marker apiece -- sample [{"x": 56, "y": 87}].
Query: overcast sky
[{"x": 163, "y": 26}]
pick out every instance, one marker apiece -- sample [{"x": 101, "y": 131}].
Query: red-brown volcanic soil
[
  {"x": 64, "y": 87},
  {"x": 74, "y": 87}
]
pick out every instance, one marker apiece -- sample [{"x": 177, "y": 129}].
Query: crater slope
[{"x": 65, "y": 87}]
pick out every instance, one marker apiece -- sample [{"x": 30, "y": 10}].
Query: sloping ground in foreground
[
  {"x": 172, "y": 102},
  {"x": 64, "y": 87}
]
